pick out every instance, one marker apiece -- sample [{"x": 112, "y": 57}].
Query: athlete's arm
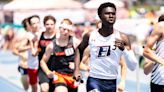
[
  {"x": 15, "y": 47},
  {"x": 79, "y": 53},
  {"x": 128, "y": 53},
  {"x": 84, "y": 63},
  {"x": 34, "y": 45},
  {"x": 45, "y": 58},
  {"x": 121, "y": 86},
  {"x": 20, "y": 45},
  {"x": 155, "y": 36},
  {"x": 148, "y": 66}
]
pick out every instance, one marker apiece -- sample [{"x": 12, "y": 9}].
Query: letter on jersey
[{"x": 104, "y": 51}]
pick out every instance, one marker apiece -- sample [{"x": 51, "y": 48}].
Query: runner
[
  {"x": 63, "y": 59},
  {"x": 84, "y": 66},
  {"x": 20, "y": 40},
  {"x": 155, "y": 62},
  {"x": 106, "y": 45},
  {"x": 46, "y": 37}
]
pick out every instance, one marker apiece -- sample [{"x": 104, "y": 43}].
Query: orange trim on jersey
[
  {"x": 66, "y": 79},
  {"x": 60, "y": 53}
]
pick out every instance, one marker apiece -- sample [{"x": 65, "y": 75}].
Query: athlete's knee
[
  {"x": 61, "y": 89},
  {"x": 26, "y": 86},
  {"x": 44, "y": 87},
  {"x": 25, "y": 82}
]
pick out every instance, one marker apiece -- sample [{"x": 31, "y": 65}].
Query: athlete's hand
[
  {"x": 120, "y": 44},
  {"x": 35, "y": 52},
  {"x": 50, "y": 74},
  {"x": 121, "y": 86},
  {"x": 77, "y": 75},
  {"x": 72, "y": 65}
]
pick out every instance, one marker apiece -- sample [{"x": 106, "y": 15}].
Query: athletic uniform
[
  {"x": 157, "y": 78},
  {"x": 62, "y": 57},
  {"x": 104, "y": 62},
  {"x": 32, "y": 63},
  {"x": 43, "y": 42},
  {"x": 21, "y": 69}
]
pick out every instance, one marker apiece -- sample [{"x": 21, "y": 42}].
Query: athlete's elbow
[
  {"x": 146, "y": 71},
  {"x": 145, "y": 52}
]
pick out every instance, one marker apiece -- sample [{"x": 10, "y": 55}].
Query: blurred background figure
[
  {"x": 9, "y": 36},
  {"x": 2, "y": 39}
]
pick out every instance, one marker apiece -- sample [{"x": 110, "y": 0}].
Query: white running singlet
[
  {"x": 104, "y": 56},
  {"x": 157, "y": 76}
]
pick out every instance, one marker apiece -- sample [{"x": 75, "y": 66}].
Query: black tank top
[
  {"x": 62, "y": 56},
  {"x": 43, "y": 42}
]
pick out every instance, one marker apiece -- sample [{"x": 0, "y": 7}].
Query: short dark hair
[
  {"x": 161, "y": 18},
  {"x": 49, "y": 17},
  {"x": 104, "y": 5},
  {"x": 24, "y": 23},
  {"x": 29, "y": 19}
]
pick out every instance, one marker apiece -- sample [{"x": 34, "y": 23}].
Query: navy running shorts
[
  {"x": 23, "y": 71},
  {"x": 101, "y": 85}
]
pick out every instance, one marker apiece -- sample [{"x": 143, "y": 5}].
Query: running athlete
[
  {"x": 20, "y": 40},
  {"x": 46, "y": 38},
  {"x": 106, "y": 45},
  {"x": 32, "y": 61},
  {"x": 156, "y": 58},
  {"x": 62, "y": 65},
  {"x": 84, "y": 66}
]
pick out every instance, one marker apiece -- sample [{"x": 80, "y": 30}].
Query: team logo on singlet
[
  {"x": 45, "y": 42},
  {"x": 103, "y": 51}
]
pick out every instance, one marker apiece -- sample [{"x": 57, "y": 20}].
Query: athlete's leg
[
  {"x": 24, "y": 77},
  {"x": 43, "y": 81},
  {"x": 34, "y": 87},
  {"x": 61, "y": 88},
  {"x": 25, "y": 81}
]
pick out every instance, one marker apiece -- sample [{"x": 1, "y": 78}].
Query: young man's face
[
  {"x": 50, "y": 25},
  {"x": 64, "y": 32},
  {"x": 108, "y": 15},
  {"x": 35, "y": 24}
]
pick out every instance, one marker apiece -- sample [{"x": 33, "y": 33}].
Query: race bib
[{"x": 69, "y": 51}]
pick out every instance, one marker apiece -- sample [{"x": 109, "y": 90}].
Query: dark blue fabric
[
  {"x": 22, "y": 70},
  {"x": 103, "y": 85}
]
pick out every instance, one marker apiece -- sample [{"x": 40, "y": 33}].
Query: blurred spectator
[
  {"x": 2, "y": 40},
  {"x": 150, "y": 15},
  {"x": 8, "y": 39}
]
